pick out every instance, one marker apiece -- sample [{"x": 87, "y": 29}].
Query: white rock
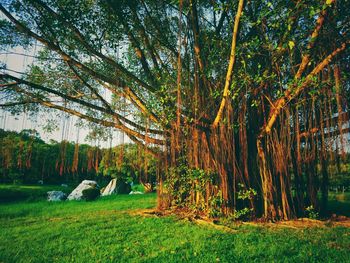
[
  {"x": 111, "y": 188},
  {"x": 77, "y": 193},
  {"x": 56, "y": 196},
  {"x": 135, "y": 193}
]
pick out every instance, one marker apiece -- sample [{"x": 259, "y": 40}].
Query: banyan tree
[{"x": 245, "y": 103}]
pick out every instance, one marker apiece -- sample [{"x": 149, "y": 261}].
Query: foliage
[
  {"x": 340, "y": 174},
  {"x": 128, "y": 163},
  {"x": 184, "y": 184},
  {"x": 91, "y": 194},
  {"x": 311, "y": 212},
  {"x": 158, "y": 75},
  {"x": 244, "y": 194},
  {"x": 138, "y": 188},
  {"x": 26, "y": 158},
  {"x": 242, "y": 213},
  {"x": 216, "y": 202}
]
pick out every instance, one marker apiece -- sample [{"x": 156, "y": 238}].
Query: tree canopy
[{"x": 241, "y": 93}]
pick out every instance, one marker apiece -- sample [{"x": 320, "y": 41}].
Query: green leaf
[{"x": 291, "y": 45}]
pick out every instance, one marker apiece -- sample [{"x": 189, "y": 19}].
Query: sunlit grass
[{"x": 106, "y": 230}]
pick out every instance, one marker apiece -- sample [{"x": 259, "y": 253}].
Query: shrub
[
  {"x": 90, "y": 194},
  {"x": 311, "y": 212},
  {"x": 187, "y": 187},
  {"x": 244, "y": 194},
  {"x": 138, "y": 188}
]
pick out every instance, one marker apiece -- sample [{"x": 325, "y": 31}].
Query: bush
[
  {"x": 90, "y": 194},
  {"x": 183, "y": 183},
  {"x": 311, "y": 212},
  {"x": 138, "y": 188}
]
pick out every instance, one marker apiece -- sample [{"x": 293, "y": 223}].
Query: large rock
[
  {"x": 77, "y": 193},
  {"x": 116, "y": 187},
  {"x": 56, "y": 196},
  {"x": 111, "y": 188}
]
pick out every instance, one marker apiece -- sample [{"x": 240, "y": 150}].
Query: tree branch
[
  {"x": 107, "y": 111},
  {"x": 306, "y": 57},
  {"x": 83, "y": 41},
  {"x": 292, "y": 93},
  {"x": 139, "y": 103},
  {"x": 230, "y": 66}
]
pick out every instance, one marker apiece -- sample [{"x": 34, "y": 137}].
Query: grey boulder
[
  {"x": 111, "y": 188},
  {"x": 56, "y": 196},
  {"x": 77, "y": 193}
]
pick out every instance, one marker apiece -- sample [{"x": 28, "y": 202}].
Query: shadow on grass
[{"x": 28, "y": 193}]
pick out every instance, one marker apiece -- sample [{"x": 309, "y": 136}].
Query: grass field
[{"x": 108, "y": 230}]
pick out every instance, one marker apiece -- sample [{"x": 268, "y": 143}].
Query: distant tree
[
  {"x": 25, "y": 157},
  {"x": 130, "y": 163}
]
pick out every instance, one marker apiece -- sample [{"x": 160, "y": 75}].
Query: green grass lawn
[{"x": 106, "y": 230}]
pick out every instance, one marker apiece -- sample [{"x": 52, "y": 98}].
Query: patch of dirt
[
  {"x": 306, "y": 222},
  {"x": 146, "y": 212},
  {"x": 303, "y": 223},
  {"x": 215, "y": 226},
  {"x": 182, "y": 215},
  {"x": 300, "y": 223}
]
